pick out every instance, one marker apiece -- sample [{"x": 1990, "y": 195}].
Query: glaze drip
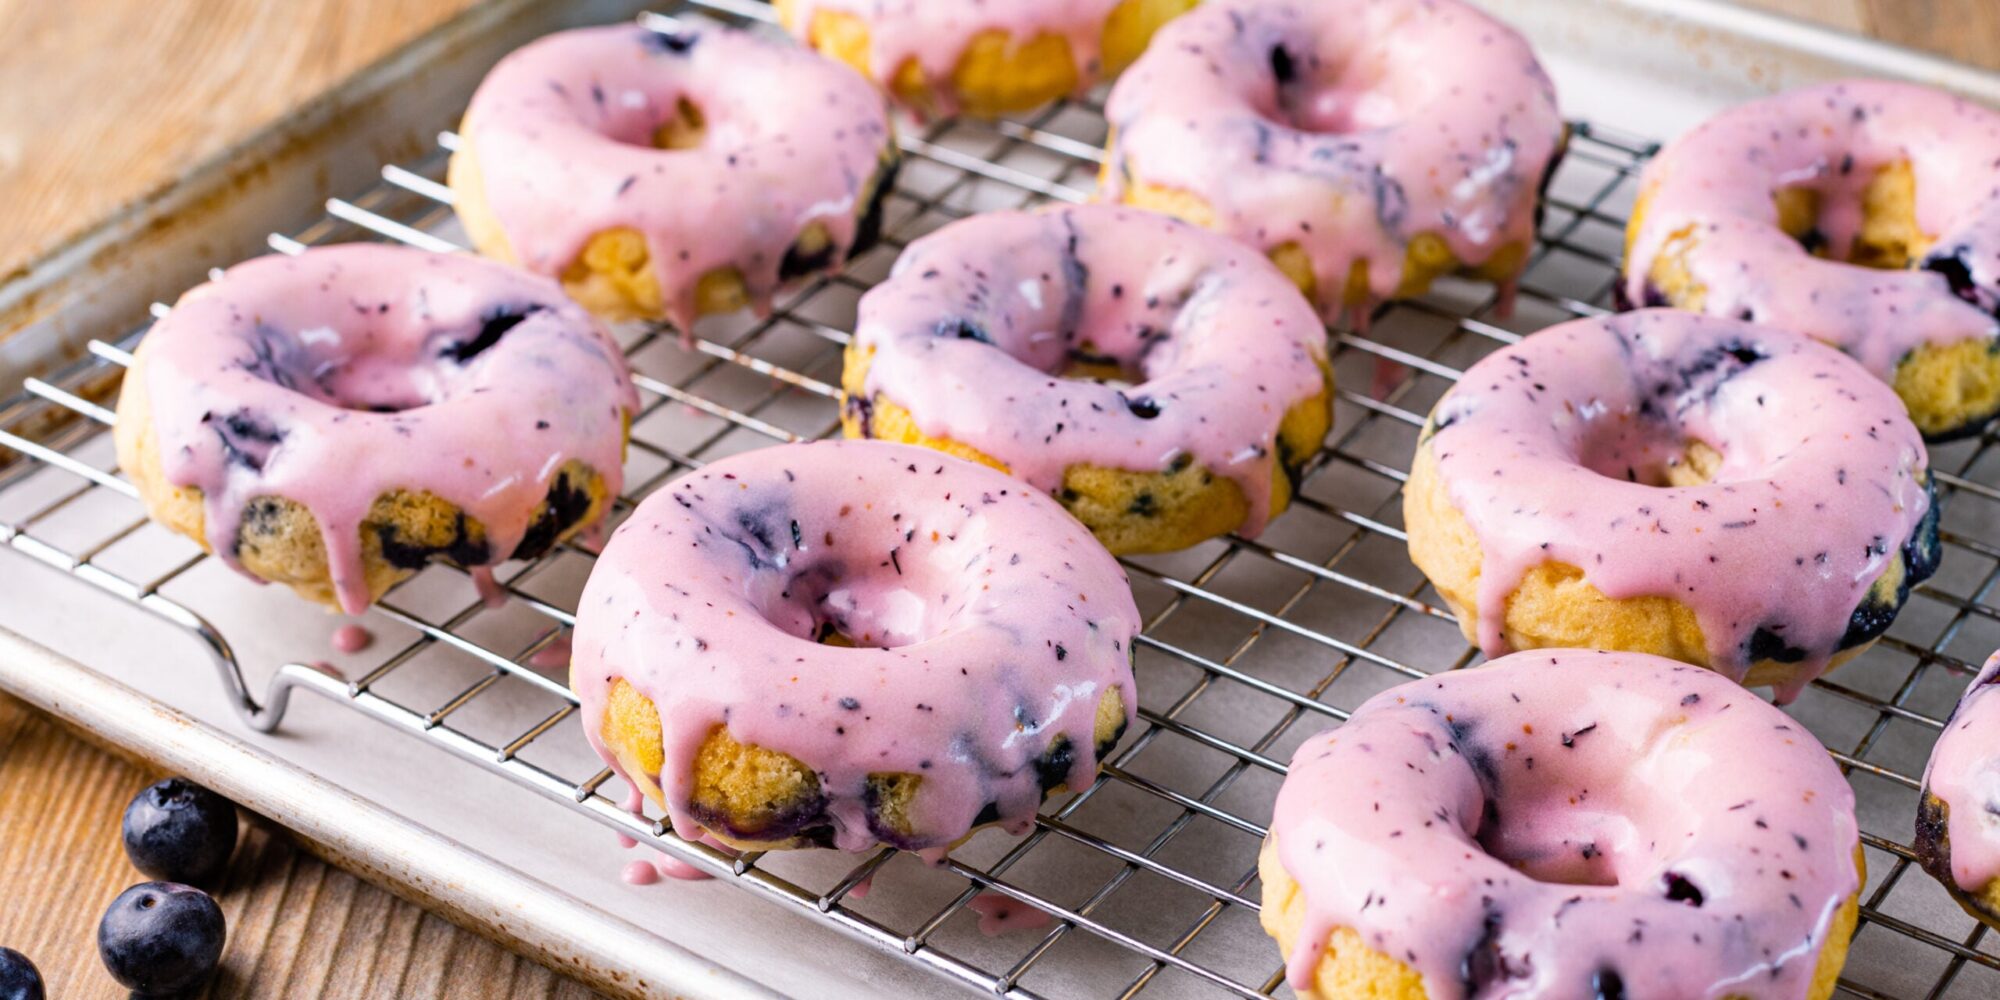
[
  {"x": 1550, "y": 450},
  {"x": 347, "y": 372},
  {"x": 979, "y": 323},
  {"x": 1561, "y": 823},
  {"x": 987, "y": 627},
  {"x": 1347, "y": 128},
  {"x": 1718, "y": 185},
  {"x": 564, "y": 132}
]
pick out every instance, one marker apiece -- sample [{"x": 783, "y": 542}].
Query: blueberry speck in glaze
[
  {"x": 160, "y": 938},
  {"x": 19, "y": 979},
  {"x": 178, "y": 831}
]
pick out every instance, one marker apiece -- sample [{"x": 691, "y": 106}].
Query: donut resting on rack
[
  {"x": 1368, "y": 147},
  {"x": 943, "y": 57},
  {"x": 1566, "y": 825},
  {"x": 1864, "y": 213},
  {"x": 844, "y": 644},
  {"x": 672, "y": 175},
  {"x": 1725, "y": 494},
  {"x": 1166, "y": 384},
  {"x": 1958, "y": 819},
  {"x": 337, "y": 420}
]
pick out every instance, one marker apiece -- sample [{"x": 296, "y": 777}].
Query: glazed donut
[
  {"x": 1166, "y": 384},
  {"x": 1725, "y": 494},
  {"x": 336, "y": 420},
  {"x": 1565, "y": 825},
  {"x": 672, "y": 175},
  {"x": 849, "y": 643},
  {"x": 941, "y": 57},
  {"x": 1367, "y": 146},
  {"x": 1958, "y": 820},
  {"x": 1786, "y": 211}
]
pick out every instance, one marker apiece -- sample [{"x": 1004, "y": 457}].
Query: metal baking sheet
[{"x": 1254, "y": 645}]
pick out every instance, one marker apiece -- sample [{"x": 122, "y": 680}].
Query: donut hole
[
  {"x": 1869, "y": 223},
  {"x": 356, "y": 369},
  {"x": 1310, "y": 94},
  {"x": 1649, "y": 453},
  {"x": 686, "y": 128}
]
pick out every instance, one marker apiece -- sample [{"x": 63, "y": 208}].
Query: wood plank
[
  {"x": 1966, "y": 30},
  {"x": 102, "y": 102},
  {"x": 297, "y": 927}
]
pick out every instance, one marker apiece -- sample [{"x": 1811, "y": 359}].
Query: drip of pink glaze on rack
[
  {"x": 1345, "y": 127},
  {"x": 553, "y": 656},
  {"x": 1003, "y": 914},
  {"x": 352, "y": 638},
  {"x": 626, "y": 841},
  {"x": 862, "y": 888},
  {"x": 347, "y": 372},
  {"x": 1716, "y": 186},
  {"x": 974, "y": 329},
  {"x": 1964, "y": 773},
  {"x": 1571, "y": 825},
  {"x": 934, "y": 34},
  {"x": 563, "y": 131},
  {"x": 639, "y": 873},
  {"x": 492, "y": 593},
  {"x": 1546, "y": 447},
  {"x": 993, "y": 623},
  {"x": 674, "y": 868}
]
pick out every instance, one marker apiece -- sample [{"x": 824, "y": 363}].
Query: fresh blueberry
[
  {"x": 19, "y": 979},
  {"x": 160, "y": 937},
  {"x": 178, "y": 831}
]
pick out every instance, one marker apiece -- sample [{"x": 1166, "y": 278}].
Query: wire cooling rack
[{"x": 1147, "y": 877}]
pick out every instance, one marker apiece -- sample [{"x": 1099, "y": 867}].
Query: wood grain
[
  {"x": 101, "y": 101},
  {"x": 1966, "y": 30},
  {"x": 297, "y": 927}
]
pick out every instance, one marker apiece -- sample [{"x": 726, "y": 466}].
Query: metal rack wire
[{"x": 1250, "y": 645}]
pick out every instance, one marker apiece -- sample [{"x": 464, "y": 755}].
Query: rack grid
[{"x": 1148, "y": 875}]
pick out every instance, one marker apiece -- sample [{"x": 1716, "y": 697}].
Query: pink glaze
[
  {"x": 553, "y": 656},
  {"x": 563, "y": 131},
  {"x": 491, "y": 593},
  {"x": 268, "y": 381},
  {"x": 978, "y": 320},
  {"x": 627, "y": 842},
  {"x": 1548, "y": 448},
  {"x": 1397, "y": 117},
  {"x": 1001, "y": 914},
  {"x": 1964, "y": 772},
  {"x": 1833, "y": 138},
  {"x": 988, "y": 622},
  {"x": 934, "y": 34},
  {"x": 674, "y": 868},
  {"x": 862, "y": 888},
  {"x": 352, "y": 638},
  {"x": 1544, "y": 826},
  {"x": 639, "y": 873}
]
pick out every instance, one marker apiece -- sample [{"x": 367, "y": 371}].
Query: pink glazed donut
[
  {"x": 1564, "y": 825},
  {"x": 848, "y": 643},
  {"x": 1368, "y": 146},
  {"x": 1725, "y": 494},
  {"x": 1958, "y": 821},
  {"x": 1166, "y": 384},
  {"x": 336, "y": 420},
  {"x": 1864, "y": 213},
  {"x": 672, "y": 175}
]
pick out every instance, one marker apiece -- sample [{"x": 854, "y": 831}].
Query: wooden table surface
[{"x": 101, "y": 101}]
